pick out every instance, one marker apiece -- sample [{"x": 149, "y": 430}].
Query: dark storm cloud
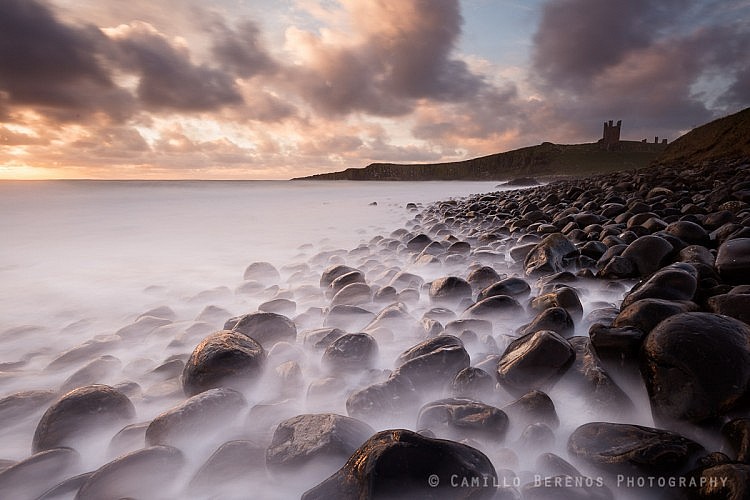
[
  {"x": 577, "y": 39},
  {"x": 405, "y": 54},
  {"x": 169, "y": 79},
  {"x": 241, "y": 50},
  {"x": 48, "y": 64},
  {"x": 648, "y": 64}
]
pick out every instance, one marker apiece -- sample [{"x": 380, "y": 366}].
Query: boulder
[
  {"x": 473, "y": 383},
  {"x": 533, "y": 407},
  {"x": 449, "y": 291},
  {"x": 395, "y": 397},
  {"x": 233, "y": 462},
  {"x": 647, "y": 253},
  {"x": 434, "y": 362},
  {"x": 551, "y": 255},
  {"x": 32, "y": 476},
  {"x": 266, "y": 328},
  {"x": 350, "y": 353},
  {"x": 136, "y": 475},
  {"x": 696, "y": 366},
  {"x": 458, "y": 418},
  {"x": 263, "y": 272},
  {"x": 199, "y": 417},
  {"x": 595, "y": 384},
  {"x": 334, "y": 272},
  {"x": 512, "y": 287},
  {"x": 675, "y": 282},
  {"x": 495, "y": 308},
  {"x": 626, "y": 448},
  {"x": 223, "y": 359},
  {"x": 733, "y": 261},
  {"x": 555, "y": 319},
  {"x": 645, "y": 314},
  {"x": 534, "y": 361},
  {"x": 403, "y": 464},
  {"x": 81, "y": 412},
  {"x": 325, "y": 440},
  {"x": 737, "y": 434}
]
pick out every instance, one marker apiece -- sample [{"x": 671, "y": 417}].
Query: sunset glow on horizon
[{"x": 261, "y": 89}]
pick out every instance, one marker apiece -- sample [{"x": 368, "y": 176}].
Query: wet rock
[
  {"x": 482, "y": 277},
  {"x": 67, "y": 488},
  {"x": 512, "y": 287},
  {"x": 129, "y": 438},
  {"x": 266, "y": 328},
  {"x": 324, "y": 440},
  {"x": 479, "y": 326},
  {"x": 645, "y": 314},
  {"x": 351, "y": 352},
  {"x": 725, "y": 482},
  {"x": 33, "y": 476},
  {"x": 689, "y": 232},
  {"x": 737, "y": 434},
  {"x": 449, "y": 291},
  {"x": 394, "y": 397},
  {"x": 334, "y": 272},
  {"x": 278, "y": 306},
  {"x": 534, "y": 361},
  {"x": 616, "y": 345},
  {"x": 551, "y": 255},
  {"x": 348, "y": 317},
  {"x": 94, "y": 372},
  {"x": 564, "y": 297},
  {"x": 223, "y": 359},
  {"x": 458, "y": 418},
  {"x": 81, "y": 412},
  {"x": 736, "y": 305},
  {"x": 200, "y": 416},
  {"x": 625, "y": 448},
  {"x": 733, "y": 261},
  {"x": 555, "y": 319},
  {"x": 594, "y": 382},
  {"x": 264, "y": 272},
  {"x": 536, "y": 437},
  {"x": 418, "y": 243},
  {"x": 696, "y": 366},
  {"x": 352, "y": 294},
  {"x": 231, "y": 465},
  {"x": 135, "y": 475},
  {"x": 17, "y": 406},
  {"x": 434, "y": 362},
  {"x": 85, "y": 351},
  {"x": 648, "y": 253},
  {"x": 675, "y": 282},
  {"x": 533, "y": 407},
  {"x": 496, "y": 308},
  {"x": 399, "y": 464},
  {"x": 473, "y": 383}
]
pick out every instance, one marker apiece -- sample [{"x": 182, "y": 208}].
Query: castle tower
[{"x": 611, "y": 135}]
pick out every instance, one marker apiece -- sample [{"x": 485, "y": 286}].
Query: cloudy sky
[{"x": 271, "y": 89}]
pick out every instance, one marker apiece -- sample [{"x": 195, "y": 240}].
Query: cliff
[{"x": 546, "y": 159}]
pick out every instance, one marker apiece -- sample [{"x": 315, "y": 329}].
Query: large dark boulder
[
  {"x": 266, "y": 328},
  {"x": 458, "y": 418},
  {"x": 434, "y": 362},
  {"x": 136, "y": 475},
  {"x": 532, "y": 408},
  {"x": 512, "y": 287},
  {"x": 473, "y": 383},
  {"x": 675, "y": 282},
  {"x": 719, "y": 482},
  {"x": 645, "y": 314},
  {"x": 535, "y": 361},
  {"x": 495, "y": 308},
  {"x": 350, "y": 353},
  {"x": 79, "y": 413},
  {"x": 223, "y": 359},
  {"x": 733, "y": 261},
  {"x": 737, "y": 434},
  {"x": 449, "y": 291},
  {"x": 593, "y": 381},
  {"x": 403, "y": 464},
  {"x": 395, "y": 397},
  {"x": 625, "y": 448},
  {"x": 334, "y": 272},
  {"x": 556, "y": 319},
  {"x": 551, "y": 255},
  {"x": 647, "y": 253},
  {"x": 200, "y": 417},
  {"x": 696, "y": 366},
  {"x": 325, "y": 440}
]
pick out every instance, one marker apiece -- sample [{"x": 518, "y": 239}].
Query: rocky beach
[{"x": 583, "y": 339}]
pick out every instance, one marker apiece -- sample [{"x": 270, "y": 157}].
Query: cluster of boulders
[{"x": 462, "y": 356}]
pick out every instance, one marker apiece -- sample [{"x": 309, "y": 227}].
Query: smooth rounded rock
[
  {"x": 351, "y": 352},
  {"x": 535, "y": 361},
  {"x": 266, "y": 328},
  {"x": 449, "y": 291},
  {"x": 223, "y": 359},
  {"x": 696, "y": 366},
  {"x": 81, "y": 412},
  {"x": 733, "y": 261},
  {"x": 401, "y": 464},
  {"x": 458, "y": 418}
]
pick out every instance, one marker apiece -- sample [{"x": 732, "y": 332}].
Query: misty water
[{"x": 83, "y": 261}]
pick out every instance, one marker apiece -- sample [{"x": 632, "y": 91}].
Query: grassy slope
[{"x": 727, "y": 138}]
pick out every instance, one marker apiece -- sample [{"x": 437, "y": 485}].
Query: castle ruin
[{"x": 610, "y": 140}]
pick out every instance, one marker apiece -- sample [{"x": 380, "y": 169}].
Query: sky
[{"x": 274, "y": 89}]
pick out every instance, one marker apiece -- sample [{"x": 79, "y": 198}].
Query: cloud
[
  {"x": 169, "y": 80},
  {"x": 399, "y": 52},
  {"x": 241, "y": 50},
  {"x": 55, "y": 67}
]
